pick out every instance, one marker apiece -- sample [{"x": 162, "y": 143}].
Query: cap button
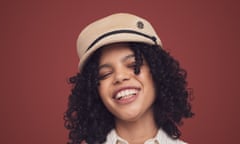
[{"x": 140, "y": 25}]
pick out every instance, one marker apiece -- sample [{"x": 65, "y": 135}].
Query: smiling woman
[
  {"x": 128, "y": 89},
  {"x": 127, "y": 95}
]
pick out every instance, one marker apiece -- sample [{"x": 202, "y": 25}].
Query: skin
[{"x": 133, "y": 113}]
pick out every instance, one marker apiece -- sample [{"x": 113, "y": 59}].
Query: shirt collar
[{"x": 113, "y": 138}]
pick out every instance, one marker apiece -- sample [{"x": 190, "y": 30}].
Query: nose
[{"x": 121, "y": 76}]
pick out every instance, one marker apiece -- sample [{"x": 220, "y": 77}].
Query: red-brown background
[{"x": 37, "y": 56}]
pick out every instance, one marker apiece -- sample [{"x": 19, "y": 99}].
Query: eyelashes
[
  {"x": 133, "y": 65},
  {"x": 104, "y": 76}
]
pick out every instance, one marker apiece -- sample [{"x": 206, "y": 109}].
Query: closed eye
[
  {"x": 104, "y": 71},
  {"x": 104, "y": 76},
  {"x": 132, "y": 65}
]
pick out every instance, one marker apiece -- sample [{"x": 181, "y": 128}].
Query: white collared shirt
[{"x": 160, "y": 138}]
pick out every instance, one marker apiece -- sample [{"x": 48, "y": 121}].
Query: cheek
[
  {"x": 145, "y": 75},
  {"x": 100, "y": 90},
  {"x": 105, "y": 94},
  {"x": 103, "y": 89},
  {"x": 147, "y": 79}
]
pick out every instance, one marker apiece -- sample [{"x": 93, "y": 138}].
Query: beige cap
[{"x": 120, "y": 27}]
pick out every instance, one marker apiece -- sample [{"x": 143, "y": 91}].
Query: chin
[{"x": 129, "y": 118}]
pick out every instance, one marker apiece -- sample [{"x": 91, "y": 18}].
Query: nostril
[{"x": 121, "y": 77}]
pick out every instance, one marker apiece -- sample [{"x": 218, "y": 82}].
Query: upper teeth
[{"x": 125, "y": 93}]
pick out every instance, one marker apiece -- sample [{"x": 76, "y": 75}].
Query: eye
[
  {"x": 132, "y": 65},
  {"x": 104, "y": 75}
]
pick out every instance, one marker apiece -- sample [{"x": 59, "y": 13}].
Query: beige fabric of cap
[{"x": 120, "y": 27}]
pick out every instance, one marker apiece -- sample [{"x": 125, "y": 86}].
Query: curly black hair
[{"x": 88, "y": 119}]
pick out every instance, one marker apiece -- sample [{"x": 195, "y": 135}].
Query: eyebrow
[
  {"x": 122, "y": 60},
  {"x": 127, "y": 57}
]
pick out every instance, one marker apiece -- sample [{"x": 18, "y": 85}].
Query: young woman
[{"x": 128, "y": 89}]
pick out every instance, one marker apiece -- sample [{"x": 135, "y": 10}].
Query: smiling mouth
[{"x": 125, "y": 94}]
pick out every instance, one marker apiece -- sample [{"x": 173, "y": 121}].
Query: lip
[{"x": 126, "y": 100}]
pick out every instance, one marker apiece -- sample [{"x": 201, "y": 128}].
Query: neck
[{"x": 138, "y": 131}]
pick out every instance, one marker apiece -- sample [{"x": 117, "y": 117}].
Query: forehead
[
  {"x": 115, "y": 51},
  {"x": 115, "y": 46}
]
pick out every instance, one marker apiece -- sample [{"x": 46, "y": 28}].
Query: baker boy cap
[{"x": 120, "y": 27}]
